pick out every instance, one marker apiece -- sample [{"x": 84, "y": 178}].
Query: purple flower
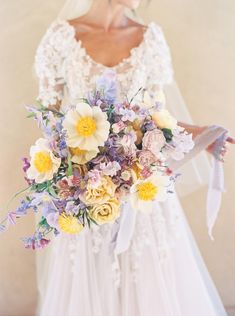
[
  {"x": 60, "y": 205},
  {"x": 3, "y": 228},
  {"x": 11, "y": 218},
  {"x": 35, "y": 243},
  {"x": 111, "y": 168},
  {"x": 62, "y": 146},
  {"x": 52, "y": 219},
  {"x": 45, "y": 201},
  {"x": 71, "y": 208},
  {"x": 107, "y": 86},
  {"x": 26, "y": 164},
  {"x": 150, "y": 125},
  {"x": 59, "y": 126},
  {"x": 23, "y": 208},
  {"x": 127, "y": 114},
  {"x": 43, "y": 242}
]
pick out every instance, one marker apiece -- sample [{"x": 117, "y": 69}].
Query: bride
[{"x": 157, "y": 270}]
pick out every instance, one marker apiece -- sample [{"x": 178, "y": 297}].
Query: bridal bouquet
[{"x": 95, "y": 155}]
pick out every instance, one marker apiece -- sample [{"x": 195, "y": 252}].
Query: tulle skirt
[{"x": 161, "y": 274}]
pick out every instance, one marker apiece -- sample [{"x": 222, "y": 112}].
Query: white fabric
[
  {"x": 124, "y": 231},
  {"x": 60, "y": 54},
  {"x": 161, "y": 273},
  {"x": 216, "y": 185}
]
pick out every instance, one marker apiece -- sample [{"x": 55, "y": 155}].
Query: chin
[{"x": 131, "y": 4}]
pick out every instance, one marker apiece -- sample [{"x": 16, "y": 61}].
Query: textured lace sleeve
[
  {"x": 49, "y": 62},
  {"x": 160, "y": 66}
]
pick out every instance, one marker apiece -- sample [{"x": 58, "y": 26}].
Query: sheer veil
[
  {"x": 74, "y": 8},
  {"x": 194, "y": 174}
]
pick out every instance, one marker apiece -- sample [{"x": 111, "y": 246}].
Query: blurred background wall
[{"x": 201, "y": 36}]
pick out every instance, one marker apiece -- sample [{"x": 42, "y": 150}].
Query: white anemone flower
[
  {"x": 87, "y": 127},
  {"x": 145, "y": 191},
  {"x": 43, "y": 164},
  {"x": 81, "y": 156}
]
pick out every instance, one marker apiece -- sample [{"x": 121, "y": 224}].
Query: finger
[
  {"x": 221, "y": 159},
  {"x": 230, "y": 140}
]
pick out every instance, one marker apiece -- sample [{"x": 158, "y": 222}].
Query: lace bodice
[{"x": 64, "y": 67}]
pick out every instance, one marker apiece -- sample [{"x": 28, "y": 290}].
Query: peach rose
[
  {"x": 154, "y": 141},
  {"x": 146, "y": 158}
]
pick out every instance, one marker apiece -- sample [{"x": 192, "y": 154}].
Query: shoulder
[
  {"x": 160, "y": 54},
  {"x": 158, "y": 34},
  {"x": 57, "y": 37},
  {"x": 53, "y": 47}
]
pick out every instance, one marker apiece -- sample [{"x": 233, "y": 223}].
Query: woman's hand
[
  {"x": 196, "y": 130},
  {"x": 224, "y": 148}
]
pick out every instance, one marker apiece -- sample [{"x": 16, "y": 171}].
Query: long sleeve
[{"x": 49, "y": 62}]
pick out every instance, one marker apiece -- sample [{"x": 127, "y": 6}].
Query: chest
[
  {"x": 110, "y": 48},
  {"x": 137, "y": 62}
]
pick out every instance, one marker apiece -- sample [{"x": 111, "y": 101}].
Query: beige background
[{"x": 201, "y": 35}]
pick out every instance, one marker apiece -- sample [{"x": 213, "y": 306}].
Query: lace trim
[
  {"x": 141, "y": 239},
  {"x": 133, "y": 50},
  {"x": 61, "y": 61}
]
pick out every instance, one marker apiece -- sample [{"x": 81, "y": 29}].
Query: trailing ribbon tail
[
  {"x": 217, "y": 134},
  {"x": 125, "y": 230}
]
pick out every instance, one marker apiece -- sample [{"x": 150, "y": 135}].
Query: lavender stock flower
[{"x": 107, "y": 86}]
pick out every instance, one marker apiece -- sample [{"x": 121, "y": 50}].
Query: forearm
[
  {"x": 55, "y": 106},
  {"x": 192, "y": 129}
]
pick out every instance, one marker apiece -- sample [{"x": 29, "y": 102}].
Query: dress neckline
[{"x": 124, "y": 60}]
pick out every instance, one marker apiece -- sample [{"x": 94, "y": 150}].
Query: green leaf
[
  {"x": 167, "y": 134},
  {"x": 43, "y": 223},
  {"x": 88, "y": 222},
  {"x": 93, "y": 221},
  {"x": 51, "y": 191},
  {"x": 70, "y": 166},
  {"x": 31, "y": 115}
]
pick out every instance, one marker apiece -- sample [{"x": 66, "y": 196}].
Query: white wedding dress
[{"x": 162, "y": 272}]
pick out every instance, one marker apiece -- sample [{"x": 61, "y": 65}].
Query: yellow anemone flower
[{"x": 69, "y": 224}]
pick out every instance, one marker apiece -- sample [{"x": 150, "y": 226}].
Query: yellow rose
[
  {"x": 163, "y": 119},
  {"x": 106, "y": 212},
  {"x": 100, "y": 194}
]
